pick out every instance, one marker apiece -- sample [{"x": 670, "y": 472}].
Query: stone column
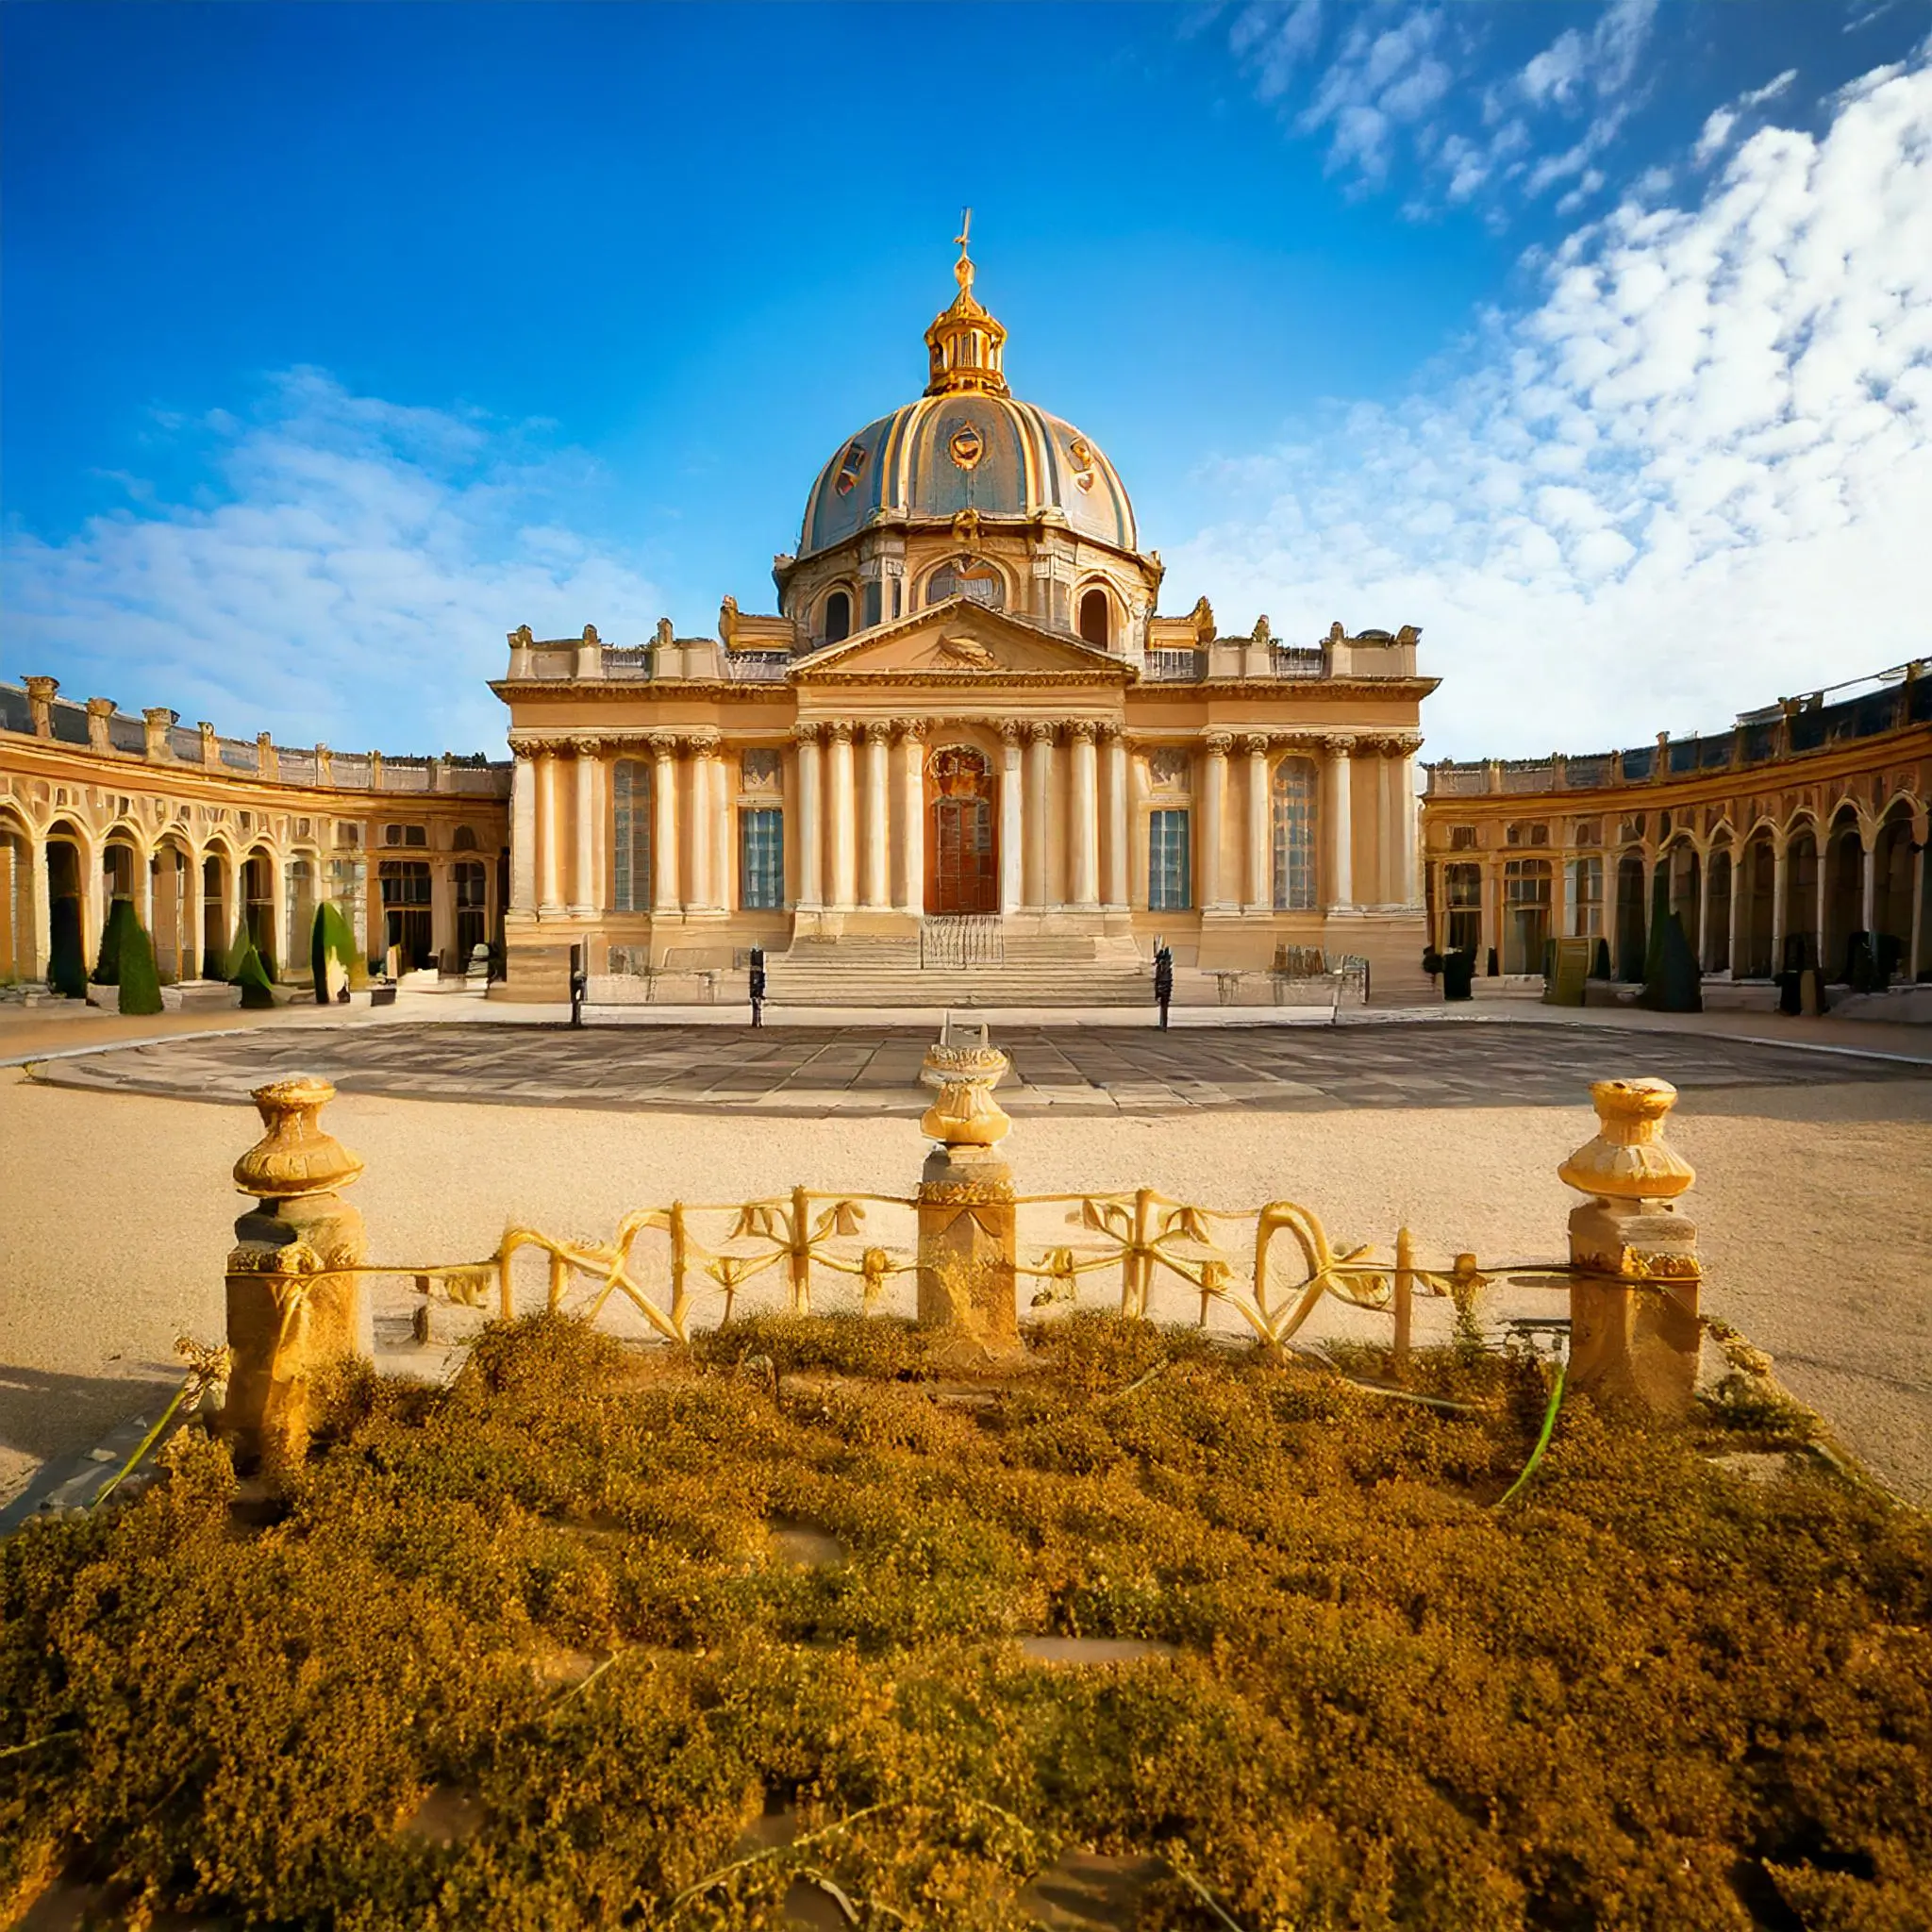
[
  {"x": 910, "y": 894},
  {"x": 1633, "y": 1328},
  {"x": 1405, "y": 823},
  {"x": 279, "y": 913},
  {"x": 157, "y": 721},
  {"x": 522, "y": 833},
  {"x": 723, "y": 859},
  {"x": 1780, "y": 869},
  {"x": 1084, "y": 816},
  {"x": 1868, "y": 894},
  {"x": 1213, "y": 897},
  {"x": 98, "y": 711},
  {"x": 698, "y": 893},
  {"x": 585, "y": 892},
  {"x": 664, "y": 865},
  {"x": 43, "y": 911},
  {"x": 442, "y": 911},
  {"x": 1559, "y": 894},
  {"x": 1491, "y": 936},
  {"x": 1260, "y": 893},
  {"x": 190, "y": 965},
  {"x": 877, "y": 889},
  {"x": 1338, "y": 895},
  {"x": 1039, "y": 805},
  {"x": 145, "y": 891},
  {"x": 1704, "y": 947},
  {"x": 1118, "y": 836},
  {"x": 844, "y": 831},
  {"x": 810, "y": 834},
  {"x": 288, "y": 1316},
  {"x": 1012, "y": 823},
  {"x": 549, "y": 893},
  {"x": 39, "y": 698},
  {"x": 1822, "y": 897}
]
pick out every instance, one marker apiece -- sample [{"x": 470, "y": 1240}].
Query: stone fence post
[
  {"x": 289, "y": 1313},
  {"x": 966, "y": 1217},
  {"x": 1633, "y": 1328}
]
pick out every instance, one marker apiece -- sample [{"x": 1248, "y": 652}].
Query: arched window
[
  {"x": 465, "y": 839},
  {"x": 838, "y": 625},
  {"x": 1097, "y": 620},
  {"x": 1293, "y": 795},
  {"x": 970, "y": 577},
  {"x": 630, "y": 844}
]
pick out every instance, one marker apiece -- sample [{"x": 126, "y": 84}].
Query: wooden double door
[{"x": 962, "y": 860}]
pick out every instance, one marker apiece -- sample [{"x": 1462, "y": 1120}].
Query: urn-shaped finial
[
  {"x": 1629, "y": 1160},
  {"x": 294, "y": 1157},
  {"x": 965, "y": 1114}
]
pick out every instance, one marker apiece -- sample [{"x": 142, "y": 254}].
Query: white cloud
[
  {"x": 362, "y": 563},
  {"x": 1695, "y": 477}
]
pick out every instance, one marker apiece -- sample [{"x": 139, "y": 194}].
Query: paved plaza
[{"x": 1061, "y": 1070}]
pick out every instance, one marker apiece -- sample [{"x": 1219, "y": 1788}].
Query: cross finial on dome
[{"x": 966, "y": 344}]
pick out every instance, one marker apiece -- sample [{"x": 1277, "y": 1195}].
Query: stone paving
[{"x": 1061, "y": 1070}]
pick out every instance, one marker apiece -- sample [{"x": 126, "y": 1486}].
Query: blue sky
[{"x": 339, "y": 340}]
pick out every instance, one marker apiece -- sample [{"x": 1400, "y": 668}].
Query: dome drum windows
[
  {"x": 835, "y": 617},
  {"x": 1095, "y": 625},
  {"x": 972, "y": 577}
]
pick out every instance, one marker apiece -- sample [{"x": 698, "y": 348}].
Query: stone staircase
[{"x": 1036, "y": 971}]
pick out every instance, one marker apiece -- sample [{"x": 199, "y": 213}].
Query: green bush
[
  {"x": 251, "y": 976},
  {"x": 66, "y": 960},
  {"x": 134, "y": 964},
  {"x": 331, "y": 939},
  {"x": 121, "y": 914}
]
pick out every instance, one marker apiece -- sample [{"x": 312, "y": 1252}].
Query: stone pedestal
[
  {"x": 1635, "y": 1334},
  {"x": 290, "y": 1311},
  {"x": 966, "y": 1219}
]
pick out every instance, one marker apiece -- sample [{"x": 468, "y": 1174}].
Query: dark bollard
[
  {"x": 1163, "y": 981},
  {"x": 756, "y": 985},
  {"x": 579, "y": 982}
]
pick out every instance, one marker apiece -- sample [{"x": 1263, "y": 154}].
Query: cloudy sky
[{"x": 337, "y": 341}]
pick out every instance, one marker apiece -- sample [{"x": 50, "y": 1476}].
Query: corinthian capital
[
  {"x": 1219, "y": 743},
  {"x": 1081, "y": 732},
  {"x": 1042, "y": 731},
  {"x": 838, "y": 731},
  {"x": 1256, "y": 745},
  {"x": 878, "y": 731},
  {"x": 1338, "y": 745},
  {"x": 914, "y": 730},
  {"x": 807, "y": 732}
]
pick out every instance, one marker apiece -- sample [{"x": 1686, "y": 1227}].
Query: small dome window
[
  {"x": 837, "y": 624},
  {"x": 1097, "y": 620},
  {"x": 970, "y": 577}
]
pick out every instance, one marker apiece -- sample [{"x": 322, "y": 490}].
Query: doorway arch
[{"x": 963, "y": 859}]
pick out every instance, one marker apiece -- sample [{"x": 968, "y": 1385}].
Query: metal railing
[
  {"x": 756, "y": 667},
  {"x": 963, "y": 938},
  {"x": 1171, "y": 666}
]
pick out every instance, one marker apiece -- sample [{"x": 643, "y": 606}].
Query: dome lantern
[{"x": 965, "y": 345}]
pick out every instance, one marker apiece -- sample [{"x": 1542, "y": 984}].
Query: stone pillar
[
  {"x": 664, "y": 865},
  {"x": 145, "y": 891},
  {"x": 1039, "y": 805},
  {"x": 810, "y": 834},
  {"x": 966, "y": 1216},
  {"x": 39, "y": 699},
  {"x": 442, "y": 912},
  {"x": 549, "y": 893},
  {"x": 1868, "y": 899},
  {"x": 1405, "y": 823},
  {"x": 699, "y": 893},
  {"x": 98, "y": 711},
  {"x": 1118, "y": 836},
  {"x": 1259, "y": 896},
  {"x": 210, "y": 746},
  {"x": 188, "y": 964},
  {"x": 324, "y": 765},
  {"x": 1084, "y": 818},
  {"x": 1338, "y": 897},
  {"x": 157, "y": 721},
  {"x": 1634, "y": 1333},
  {"x": 1704, "y": 947},
  {"x": 877, "y": 889},
  {"x": 1491, "y": 937},
  {"x": 277, "y": 913},
  {"x": 912, "y": 887},
  {"x": 1740, "y": 912},
  {"x": 843, "y": 829},
  {"x": 1213, "y": 812},
  {"x": 266, "y": 763},
  {"x": 289, "y": 1316},
  {"x": 1012, "y": 823},
  {"x": 1779, "y": 868},
  {"x": 43, "y": 911},
  {"x": 719, "y": 818},
  {"x": 585, "y": 895},
  {"x": 1822, "y": 897},
  {"x": 522, "y": 833}
]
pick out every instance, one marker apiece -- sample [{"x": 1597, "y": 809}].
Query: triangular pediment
[{"x": 963, "y": 641}]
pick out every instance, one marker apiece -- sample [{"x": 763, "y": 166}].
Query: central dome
[
  {"x": 966, "y": 450},
  {"x": 967, "y": 445}
]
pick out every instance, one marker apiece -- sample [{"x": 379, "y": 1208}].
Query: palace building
[{"x": 965, "y": 737}]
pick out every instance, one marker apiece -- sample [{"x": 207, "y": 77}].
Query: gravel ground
[{"x": 1815, "y": 1214}]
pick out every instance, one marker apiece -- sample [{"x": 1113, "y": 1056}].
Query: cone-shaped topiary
[
  {"x": 108, "y": 964},
  {"x": 140, "y": 984},
  {"x": 252, "y": 977},
  {"x": 1674, "y": 987},
  {"x": 333, "y": 953},
  {"x": 1659, "y": 918},
  {"x": 66, "y": 962}
]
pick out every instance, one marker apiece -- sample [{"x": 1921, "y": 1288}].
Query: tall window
[
  {"x": 837, "y": 626},
  {"x": 1525, "y": 914},
  {"x": 1095, "y": 617},
  {"x": 1464, "y": 885},
  {"x": 1170, "y": 873},
  {"x": 760, "y": 858},
  {"x": 1294, "y": 795},
  {"x": 630, "y": 843},
  {"x": 1586, "y": 898}
]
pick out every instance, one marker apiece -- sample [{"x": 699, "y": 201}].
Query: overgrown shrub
[{"x": 1645, "y": 1693}]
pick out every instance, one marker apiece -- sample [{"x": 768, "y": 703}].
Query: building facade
[
  {"x": 1780, "y": 839},
  {"x": 206, "y": 834},
  {"x": 966, "y": 709}
]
